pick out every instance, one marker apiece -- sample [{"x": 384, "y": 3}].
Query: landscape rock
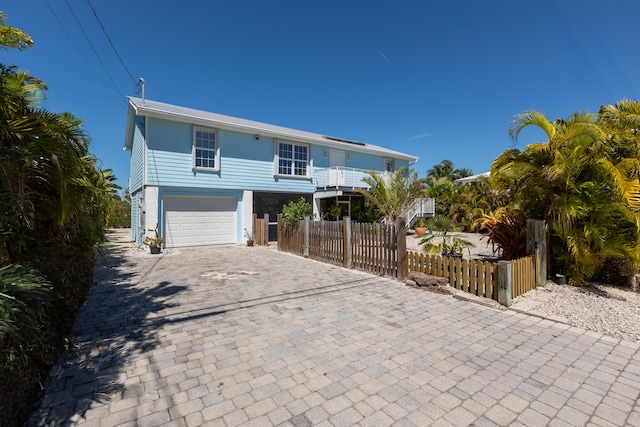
[{"x": 430, "y": 283}]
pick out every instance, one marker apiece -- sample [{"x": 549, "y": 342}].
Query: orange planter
[{"x": 420, "y": 231}]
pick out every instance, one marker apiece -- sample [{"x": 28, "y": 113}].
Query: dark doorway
[{"x": 272, "y": 203}]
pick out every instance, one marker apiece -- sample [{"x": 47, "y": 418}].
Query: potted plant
[
  {"x": 155, "y": 242},
  {"x": 420, "y": 226},
  {"x": 249, "y": 237}
]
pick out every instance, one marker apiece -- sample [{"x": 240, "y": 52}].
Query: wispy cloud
[
  {"x": 419, "y": 136},
  {"x": 384, "y": 57}
]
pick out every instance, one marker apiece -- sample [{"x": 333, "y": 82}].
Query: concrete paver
[{"x": 233, "y": 335}]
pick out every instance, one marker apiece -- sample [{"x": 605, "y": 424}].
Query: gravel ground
[{"x": 601, "y": 308}]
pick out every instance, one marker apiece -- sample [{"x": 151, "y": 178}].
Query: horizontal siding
[
  {"x": 246, "y": 161},
  {"x": 136, "y": 162}
]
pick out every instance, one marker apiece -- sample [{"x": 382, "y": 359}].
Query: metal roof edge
[{"x": 263, "y": 129}]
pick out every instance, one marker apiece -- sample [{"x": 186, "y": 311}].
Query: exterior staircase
[{"x": 420, "y": 207}]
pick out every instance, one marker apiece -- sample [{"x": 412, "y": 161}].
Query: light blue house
[{"x": 201, "y": 176}]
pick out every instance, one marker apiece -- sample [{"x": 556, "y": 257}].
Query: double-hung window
[
  {"x": 293, "y": 159},
  {"x": 206, "y": 150}
]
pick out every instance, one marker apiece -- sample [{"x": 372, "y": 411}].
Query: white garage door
[{"x": 196, "y": 221}]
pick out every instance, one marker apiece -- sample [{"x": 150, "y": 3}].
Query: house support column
[
  {"x": 247, "y": 213},
  {"x": 152, "y": 212}
]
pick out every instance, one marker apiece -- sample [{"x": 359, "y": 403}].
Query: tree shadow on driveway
[{"x": 115, "y": 323}]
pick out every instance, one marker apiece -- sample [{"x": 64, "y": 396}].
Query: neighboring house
[
  {"x": 473, "y": 178},
  {"x": 201, "y": 176}
]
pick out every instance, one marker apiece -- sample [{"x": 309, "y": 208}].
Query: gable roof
[{"x": 148, "y": 108}]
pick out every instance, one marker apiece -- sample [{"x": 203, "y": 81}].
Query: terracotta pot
[{"x": 420, "y": 231}]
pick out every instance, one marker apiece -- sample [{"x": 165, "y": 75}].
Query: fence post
[
  {"x": 279, "y": 233},
  {"x": 401, "y": 247},
  {"x": 537, "y": 244},
  {"x": 504, "y": 283},
  {"x": 305, "y": 250},
  {"x": 346, "y": 231},
  {"x": 254, "y": 231},
  {"x": 265, "y": 230}
]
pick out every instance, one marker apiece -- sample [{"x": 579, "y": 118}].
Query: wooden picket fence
[
  {"x": 291, "y": 237},
  {"x": 481, "y": 278},
  {"x": 475, "y": 277},
  {"x": 326, "y": 241},
  {"x": 368, "y": 247},
  {"x": 375, "y": 248},
  {"x": 261, "y": 230},
  {"x": 381, "y": 250},
  {"x": 525, "y": 274}
]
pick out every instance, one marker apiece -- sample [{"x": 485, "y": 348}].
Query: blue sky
[{"x": 439, "y": 80}]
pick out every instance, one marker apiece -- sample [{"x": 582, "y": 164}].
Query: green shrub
[
  {"x": 25, "y": 339},
  {"x": 296, "y": 211},
  {"x": 615, "y": 271}
]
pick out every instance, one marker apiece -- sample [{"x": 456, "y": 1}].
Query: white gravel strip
[{"x": 606, "y": 309}]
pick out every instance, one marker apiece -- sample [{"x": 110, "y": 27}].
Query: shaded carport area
[{"x": 231, "y": 335}]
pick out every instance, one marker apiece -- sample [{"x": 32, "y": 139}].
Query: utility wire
[
  {"x": 111, "y": 42},
  {"x": 94, "y": 49},
  {"x": 82, "y": 55}
]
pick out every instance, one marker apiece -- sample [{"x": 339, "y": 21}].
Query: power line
[
  {"x": 110, "y": 42},
  {"x": 94, "y": 49},
  {"x": 81, "y": 54}
]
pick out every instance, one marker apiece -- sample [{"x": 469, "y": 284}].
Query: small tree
[
  {"x": 392, "y": 199},
  {"x": 296, "y": 211}
]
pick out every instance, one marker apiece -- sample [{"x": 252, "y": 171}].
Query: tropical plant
[
  {"x": 23, "y": 303},
  {"x": 154, "y": 241},
  {"x": 393, "y": 198},
  {"x": 119, "y": 214},
  {"x": 506, "y": 233},
  {"x": 54, "y": 202},
  {"x": 445, "y": 169},
  {"x": 421, "y": 222},
  {"x": 582, "y": 182},
  {"x": 439, "y": 239},
  {"x": 334, "y": 210},
  {"x": 464, "y": 203},
  {"x": 11, "y": 37}
]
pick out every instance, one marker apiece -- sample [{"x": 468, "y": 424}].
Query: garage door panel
[{"x": 193, "y": 221}]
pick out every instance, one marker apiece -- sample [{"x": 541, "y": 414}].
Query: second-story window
[
  {"x": 206, "y": 153},
  {"x": 293, "y": 159},
  {"x": 389, "y": 165}
]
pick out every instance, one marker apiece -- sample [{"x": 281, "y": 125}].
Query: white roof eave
[{"x": 262, "y": 129}]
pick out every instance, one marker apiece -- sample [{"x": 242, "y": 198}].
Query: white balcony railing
[{"x": 339, "y": 177}]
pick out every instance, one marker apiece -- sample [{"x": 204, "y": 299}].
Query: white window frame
[
  {"x": 388, "y": 160},
  {"x": 276, "y": 163},
  {"x": 215, "y": 150}
]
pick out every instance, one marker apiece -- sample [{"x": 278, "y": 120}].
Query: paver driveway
[{"x": 250, "y": 336}]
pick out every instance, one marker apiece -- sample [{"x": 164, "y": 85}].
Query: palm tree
[
  {"x": 394, "y": 197},
  {"x": 11, "y": 37},
  {"x": 574, "y": 181}
]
